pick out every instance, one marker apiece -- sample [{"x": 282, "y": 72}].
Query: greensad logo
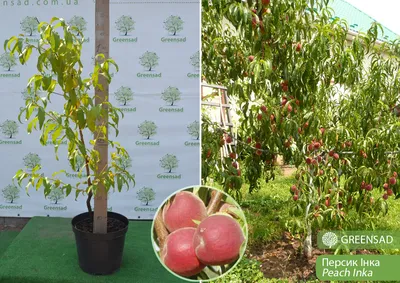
[
  {"x": 173, "y": 25},
  {"x": 10, "y": 194},
  {"x": 146, "y": 195},
  {"x": 124, "y": 95},
  {"x": 79, "y": 23},
  {"x": 7, "y": 64},
  {"x": 193, "y": 130},
  {"x": 149, "y": 60},
  {"x": 147, "y": 129},
  {"x": 195, "y": 62},
  {"x": 78, "y": 167},
  {"x": 125, "y": 25},
  {"x": 169, "y": 163},
  {"x": 125, "y": 164},
  {"x": 171, "y": 95},
  {"x": 55, "y": 197},
  {"x": 9, "y": 129},
  {"x": 32, "y": 161},
  {"x": 29, "y": 25}
]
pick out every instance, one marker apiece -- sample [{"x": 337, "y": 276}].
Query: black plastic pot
[{"x": 100, "y": 254}]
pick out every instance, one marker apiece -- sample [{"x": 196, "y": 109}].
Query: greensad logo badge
[
  {"x": 79, "y": 23},
  {"x": 78, "y": 168},
  {"x": 173, "y": 25},
  {"x": 124, "y": 95},
  {"x": 10, "y": 195},
  {"x": 149, "y": 61},
  {"x": 169, "y": 163},
  {"x": 55, "y": 197},
  {"x": 193, "y": 130},
  {"x": 147, "y": 129},
  {"x": 7, "y": 64},
  {"x": 9, "y": 130},
  {"x": 195, "y": 62},
  {"x": 32, "y": 161},
  {"x": 125, "y": 25},
  {"x": 125, "y": 163},
  {"x": 146, "y": 195},
  {"x": 29, "y": 26},
  {"x": 171, "y": 95}
]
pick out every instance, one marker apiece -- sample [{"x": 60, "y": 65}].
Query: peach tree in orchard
[{"x": 308, "y": 92}]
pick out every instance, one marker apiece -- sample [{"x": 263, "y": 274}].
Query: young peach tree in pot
[{"x": 59, "y": 54}]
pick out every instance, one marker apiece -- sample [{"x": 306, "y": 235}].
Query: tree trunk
[
  {"x": 308, "y": 243},
  {"x": 12, "y": 200},
  {"x": 11, "y": 136},
  {"x": 56, "y": 201},
  {"x": 150, "y": 68},
  {"x": 170, "y": 170},
  {"x": 102, "y": 45},
  {"x": 147, "y": 202}
]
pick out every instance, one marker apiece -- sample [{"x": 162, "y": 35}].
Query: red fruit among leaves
[
  {"x": 298, "y": 47},
  {"x": 234, "y": 164},
  {"x": 232, "y": 155},
  {"x": 289, "y": 108},
  {"x": 389, "y": 192},
  {"x": 317, "y": 145},
  {"x": 258, "y": 145},
  {"x": 386, "y": 186},
  {"x": 259, "y": 117},
  {"x": 295, "y": 197},
  {"x": 249, "y": 140},
  {"x": 258, "y": 152},
  {"x": 327, "y": 202},
  {"x": 228, "y": 139},
  {"x": 331, "y": 153},
  {"x": 392, "y": 180},
  {"x": 368, "y": 187},
  {"x": 336, "y": 156},
  {"x": 265, "y": 2},
  {"x": 251, "y": 58},
  {"x": 293, "y": 188},
  {"x": 395, "y": 174},
  {"x": 385, "y": 196},
  {"x": 308, "y": 160},
  {"x": 263, "y": 108}
]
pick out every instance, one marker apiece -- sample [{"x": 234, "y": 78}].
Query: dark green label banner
[
  {"x": 359, "y": 240},
  {"x": 358, "y": 267}
]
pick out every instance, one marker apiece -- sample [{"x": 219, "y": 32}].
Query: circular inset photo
[{"x": 199, "y": 233}]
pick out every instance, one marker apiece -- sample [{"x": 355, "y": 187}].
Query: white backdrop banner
[{"x": 156, "y": 46}]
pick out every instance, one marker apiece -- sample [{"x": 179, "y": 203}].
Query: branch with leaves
[{"x": 60, "y": 55}]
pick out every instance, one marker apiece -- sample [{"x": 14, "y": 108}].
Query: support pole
[{"x": 102, "y": 46}]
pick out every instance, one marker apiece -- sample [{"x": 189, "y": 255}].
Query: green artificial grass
[
  {"x": 6, "y": 237},
  {"x": 45, "y": 251}
]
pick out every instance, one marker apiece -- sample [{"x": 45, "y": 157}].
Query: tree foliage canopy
[{"x": 307, "y": 90}]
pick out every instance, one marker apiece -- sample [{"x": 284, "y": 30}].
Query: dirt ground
[
  {"x": 11, "y": 227},
  {"x": 283, "y": 259}
]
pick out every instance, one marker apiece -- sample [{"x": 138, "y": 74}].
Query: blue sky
[{"x": 386, "y": 12}]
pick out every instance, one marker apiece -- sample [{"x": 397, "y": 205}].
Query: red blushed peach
[
  {"x": 181, "y": 212},
  {"x": 179, "y": 255},
  {"x": 218, "y": 239}
]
